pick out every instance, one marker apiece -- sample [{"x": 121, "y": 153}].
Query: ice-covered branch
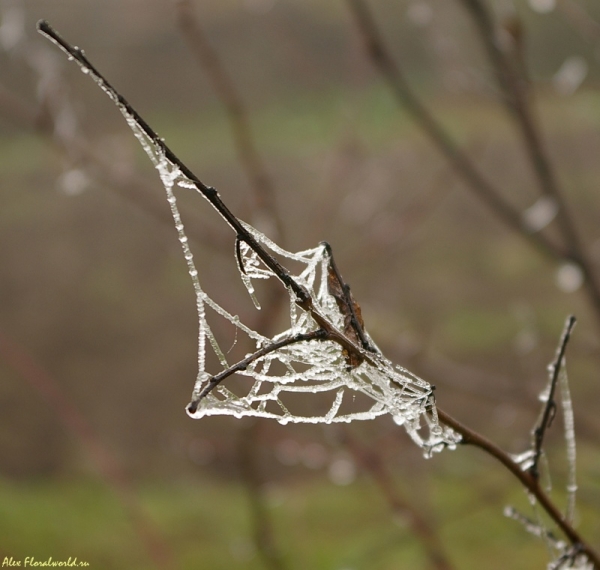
[
  {"x": 326, "y": 348},
  {"x": 549, "y": 409},
  {"x": 208, "y": 385},
  {"x": 76, "y": 54}
]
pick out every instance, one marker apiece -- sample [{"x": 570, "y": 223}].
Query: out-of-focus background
[{"x": 98, "y": 328}]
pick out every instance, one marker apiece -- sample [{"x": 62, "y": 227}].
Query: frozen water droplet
[
  {"x": 540, "y": 214},
  {"x": 283, "y": 421},
  {"x": 571, "y": 75},
  {"x": 342, "y": 471},
  {"x": 569, "y": 277},
  {"x": 73, "y": 182},
  {"x": 419, "y": 13},
  {"x": 545, "y": 393},
  {"x": 542, "y": 6}
]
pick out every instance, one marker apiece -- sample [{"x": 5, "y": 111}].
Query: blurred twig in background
[
  {"x": 264, "y": 214},
  {"x": 262, "y": 525},
  {"x": 370, "y": 461},
  {"x": 517, "y": 101},
  {"x": 515, "y": 98},
  {"x": 103, "y": 460},
  {"x": 581, "y": 20},
  {"x": 243, "y": 138},
  {"x": 55, "y": 119}
]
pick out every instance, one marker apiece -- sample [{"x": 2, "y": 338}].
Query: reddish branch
[
  {"x": 105, "y": 462},
  {"x": 262, "y": 526},
  {"x": 372, "y": 463}
]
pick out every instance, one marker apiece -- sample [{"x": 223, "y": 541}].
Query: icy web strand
[{"x": 314, "y": 367}]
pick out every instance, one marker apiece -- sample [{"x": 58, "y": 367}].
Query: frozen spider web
[{"x": 318, "y": 369}]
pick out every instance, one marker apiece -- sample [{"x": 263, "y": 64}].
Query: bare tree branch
[
  {"x": 371, "y": 462},
  {"x": 549, "y": 409},
  {"x": 104, "y": 461},
  {"x": 516, "y": 100},
  {"x": 305, "y": 301},
  {"x": 486, "y": 191},
  {"x": 260, "y": 179}
]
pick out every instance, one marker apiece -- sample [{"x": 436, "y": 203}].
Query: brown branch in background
[
  {"x": 372, "y": 463},
  {"x": 261, "y": 520},
  {"x": 549, "y": 409},
  {"x": 80, "y": 153},
  {"x": 243, "y": 138},
  {"x": 516, "y": 100},
  {"x": 105, "y": 462},
  {"x": 403, "y": 92}
]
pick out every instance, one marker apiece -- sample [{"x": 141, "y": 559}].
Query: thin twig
[
  {"x": 304, "y": 299},
  {"x": 262, "y": 526},
  {"x": 486, "y": 191},
  {"x": 516, "y": 101},
  {"x": 531, "y": 526},
  {"x": 105, "y": 462},
  {"x": 549, "y": 409},
  {"x": 370, "y": 460},
  {"x": 208, "y": 192},
  {"x": 470, "y": 437},
  {"x": 215, "y": 380}
]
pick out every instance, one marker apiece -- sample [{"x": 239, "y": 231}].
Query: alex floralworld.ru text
[{"x": 31, "y": 562}]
